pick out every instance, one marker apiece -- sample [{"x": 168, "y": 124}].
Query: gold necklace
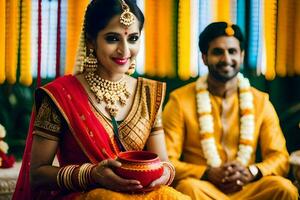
[{"x": 109, "y": 92}]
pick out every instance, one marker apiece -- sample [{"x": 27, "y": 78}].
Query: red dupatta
[{"x": 72, "y": 101}]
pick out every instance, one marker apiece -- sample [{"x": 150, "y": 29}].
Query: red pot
[{"x": 143, "y": 166}]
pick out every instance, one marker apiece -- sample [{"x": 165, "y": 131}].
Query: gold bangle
[
  {"x": 84, "y": 175},
  {"x": 172, "y": 171},
  {"x": 64, "y": 177}
]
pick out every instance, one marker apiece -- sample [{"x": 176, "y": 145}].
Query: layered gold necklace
[{"x": 110, "y": 92}]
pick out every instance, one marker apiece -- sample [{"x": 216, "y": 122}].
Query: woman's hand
[
  {"x": 105, "y": 176},
  {"x": 163, "y": 180}
]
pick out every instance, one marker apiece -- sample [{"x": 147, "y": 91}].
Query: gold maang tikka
[{"x": 127, "y": 17}]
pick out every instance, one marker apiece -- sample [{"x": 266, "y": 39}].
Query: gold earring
[
  {"x": 131, "y": 68},
  {"x": 91, "y": 62}
]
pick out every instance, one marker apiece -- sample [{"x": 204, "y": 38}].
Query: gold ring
[
  {"x": 103, "y": 163},
  {"x": 238, "y": 182}
]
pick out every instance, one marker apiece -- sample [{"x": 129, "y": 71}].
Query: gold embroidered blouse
[{"x": 143, "y": 118}]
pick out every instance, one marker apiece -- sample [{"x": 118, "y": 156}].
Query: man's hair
[{"x": 217, "y": 29}]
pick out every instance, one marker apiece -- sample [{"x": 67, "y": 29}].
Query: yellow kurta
[{"x": 183, "y": 142}]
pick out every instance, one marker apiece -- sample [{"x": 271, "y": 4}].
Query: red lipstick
[{"x": 120, "y": 61}]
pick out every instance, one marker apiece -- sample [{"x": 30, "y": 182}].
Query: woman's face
[{"x": 116, "y": 46}]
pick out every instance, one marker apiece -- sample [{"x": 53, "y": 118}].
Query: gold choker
[{"x": 109, "y": 92}]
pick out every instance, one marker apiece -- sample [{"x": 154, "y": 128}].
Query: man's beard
[{"x": 220, "y": 77}]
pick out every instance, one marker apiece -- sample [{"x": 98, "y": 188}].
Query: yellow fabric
[
  {"x": 278, "y": 187},
  {"x": 184, "y": 35},
  {"x": 161, "y": 193},
  {"x": 75, "y": 15},
  {"x": 269, "y": 24},
  {"x": 25, "y": 65},
  {"x": 2, "y": 44},
  {"x": 11, "y": 40},
  {"x": 183, "y": 139}
]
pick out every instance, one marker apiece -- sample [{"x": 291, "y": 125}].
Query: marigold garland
[
  {"x": 75, "y": 15},
  {"x": 206, "y": 122},
  {"x": 269, "y": 24},
  {"x": 282, "y": 38},
  {"x": 2, "y": 44},
  {"x": 11, "y": 40},
  {"x": 58, "y": 32},
  {"x": 224, "y": 8},
  {"x": 150, "y": 37},
  {"x": 25, "y": 66},
  {"x": 165, "y": 53},
  {"x": 184, "y": 37},
  {"x": 3, "y": 145}
]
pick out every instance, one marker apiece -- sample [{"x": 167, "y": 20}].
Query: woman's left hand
[{"x": 163, "y": 180}]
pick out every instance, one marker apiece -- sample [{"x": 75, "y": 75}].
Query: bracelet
[
  {"x": 172, "y": 171},
  {"x": 85, "y": 175},
  {"x": 75, "y": 177},
  {"x": 64, "y": 177}
]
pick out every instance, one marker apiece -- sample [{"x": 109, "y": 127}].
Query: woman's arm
[
  {"x": 156, "y": 144},
  {"x": 42, "y": 173}
]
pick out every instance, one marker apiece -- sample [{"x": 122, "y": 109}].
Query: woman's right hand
[{"x": 104, "y": 175}]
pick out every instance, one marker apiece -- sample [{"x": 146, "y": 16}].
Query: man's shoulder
[
  {"x": 260, "y": 99},
  {"x": 258, "y": 94}
]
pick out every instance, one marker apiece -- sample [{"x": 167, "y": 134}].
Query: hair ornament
[
  {"x": 229, "y": 30},
  {"x": 127, "y": 17}
]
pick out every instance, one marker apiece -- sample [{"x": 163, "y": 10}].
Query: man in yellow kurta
[{"x": 214, "y": 126}]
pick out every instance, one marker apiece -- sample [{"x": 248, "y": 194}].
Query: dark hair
[
  {"x": 100, "y": 12},
  {"x": 215, "y": 30}
]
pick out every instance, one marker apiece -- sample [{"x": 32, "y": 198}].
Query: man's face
[{"x": 224, "y": 58}]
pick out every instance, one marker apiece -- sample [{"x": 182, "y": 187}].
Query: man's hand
[
  {"x": 218, "y": 176},
  {"x": 230, "y": 177}
]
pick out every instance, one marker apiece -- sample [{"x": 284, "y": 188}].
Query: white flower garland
[
  {"x": 206, "y": 123},
  {"x": 3, "y": 145}
]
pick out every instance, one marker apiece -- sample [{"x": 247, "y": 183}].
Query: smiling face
[
  {"x": 116, "y": 46},
  {"x": 224, "y": 58}
]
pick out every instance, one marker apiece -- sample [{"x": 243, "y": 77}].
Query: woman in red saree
[{"x": 88, "y": 118}]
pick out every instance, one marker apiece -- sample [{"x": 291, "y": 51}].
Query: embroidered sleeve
[
  {"x": 157, "y": 125},
  {"x": 158, "y": 121},
  {"x": 48, "y": 122}
]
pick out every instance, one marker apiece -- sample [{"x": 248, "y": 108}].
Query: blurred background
[{"x": 39, "y": 39}]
